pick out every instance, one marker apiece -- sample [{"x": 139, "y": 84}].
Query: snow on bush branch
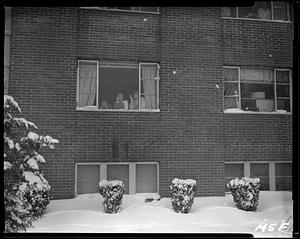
[{"x": 26, "y": 190}]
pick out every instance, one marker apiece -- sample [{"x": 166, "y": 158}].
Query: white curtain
[
  {"x": 87, "y": 84},
  {"x": 149, "y": 86},
  {"x": 257, "y": 75}
]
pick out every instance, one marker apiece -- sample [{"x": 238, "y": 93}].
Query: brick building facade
[{"x": 189, "y": 134}]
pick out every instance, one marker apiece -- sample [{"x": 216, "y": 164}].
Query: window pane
[
  {"x": 234, "y": 170},
  {"x": 119, "y": 172},
  {"x": 257, "y": 75},
  {"x": 231, "y": 102},
  {"x": 146, "y": 178},
  {"x": 283, "y": 169},
  {"x": 149, "y": 89},
  {"x": 260, "y": 10},
  {"x": 230, "y": 74},
  {"x": 280, "y": 9},
  {"x": 228, "y": 11},
  {"x": 282, "y": 77},
  {"x": 231, "y": 89},
  {"x": 261, "y": 170},
  {"x": 117, "y": 83},
  {"x": 283, "y": 184},
  {"x": 283, "y": 104},
  {"x": 87, "y": 84},
  {"x": 149, "y": 9},
  {"x": 257, "y": 97},
  {"x": 283, "y": 90},
  {"x": 88, "y": 177}
]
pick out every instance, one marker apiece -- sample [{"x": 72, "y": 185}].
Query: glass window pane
[
  {"x": 234, "y": 170},
  {"x": 230, "y": 74},
  {"x": 146, "y": 178},
  {"x": 88, "y": 177},
  {"x": 283, "y": 183},
  {"x": 117, "y": 83},
  {"x": 282, "y": 77},
  {"x": 119, "y": 172},
  {"x": 280, "y": 9},
  {"x": 149, "y": 9},
  {"x": 261, "y": 170},
  {"x": 249, "y": 105},
  {"x": 87, "y": 84},
  {"x": 257, "y": 75},
  {"x": 260, "y": 10},
  {"x": 231, "y": 102},
  {"x": 283, "y": 169},
  {"x": 257, "y": 97},
  {"x": 283, "y": 104},
  {"x": 231, "y": 89},
  {"x": 283, "y": 90},
  {"x": 228, "y": 11}
]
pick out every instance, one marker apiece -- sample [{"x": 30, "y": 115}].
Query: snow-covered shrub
[
  {"x": 182, "y": 194},
  {"x": 24, "y": 202},
  {"x": 36, "y": 191},
  {"x": 112, "y": 192},
  {"x": 245, "y": 192}
]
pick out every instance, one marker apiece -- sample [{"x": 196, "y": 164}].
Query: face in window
[{"x": 120, "y": 97}]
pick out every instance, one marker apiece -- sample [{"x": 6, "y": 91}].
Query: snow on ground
[{"x": 209, "y": 214}]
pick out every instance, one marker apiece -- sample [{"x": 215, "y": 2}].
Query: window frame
[
  {"x": 120, "y": 10},
  {"x": 264, "y": 20},
  {"x": 132, "y": 174},
  {"x": 240, "y": 111},
  {"x": 272, "y": 175},
  {"x": 139, "y": 65}
]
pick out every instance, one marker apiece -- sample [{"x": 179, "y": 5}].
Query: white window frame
[
  {"x": 77, "y": 87},
  {"x": 272, "y": 175},
  {"x": 263, "y": 20},
  {"x": 126, "y": 65},
  {"x": 275, "y": 93},
  {"x": 132, "y": 173},
  {"x": 121, "y": 10}
]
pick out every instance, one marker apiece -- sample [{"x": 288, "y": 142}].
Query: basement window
[
  {"x": 274, "y": 176},
  {"x": 117, "y": 86},
  {"x": 142, "y": 177},
  {"x": 257, "y": 90},
  {"x": 261, "y": 10}
]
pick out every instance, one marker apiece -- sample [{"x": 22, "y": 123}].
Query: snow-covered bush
[
  {"x": 245, "y": 192},
  {"x": 182, "y": 194},
  {"x": 24, "y": 201},
  {"x": 36, "y": 191},
  {"x": 112, "y": 192}
]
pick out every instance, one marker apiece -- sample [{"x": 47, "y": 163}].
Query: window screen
[
  {"x": 88, "y": 177},
  {"x": 283, "y": 176},
  {"x": 119, "y": 172},
  {"x": 261, "y": 170},
  {"x": 146, "y": 178},
  {"x": 234, "y": 170}
]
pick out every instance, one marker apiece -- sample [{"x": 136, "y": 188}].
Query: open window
[{"x": 108, "y": 85}]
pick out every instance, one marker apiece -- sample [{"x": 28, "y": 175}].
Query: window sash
[{"x": 274, "y": 83}]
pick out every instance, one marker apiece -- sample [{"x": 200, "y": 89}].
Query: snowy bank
[{"x": 209, "y": 214}]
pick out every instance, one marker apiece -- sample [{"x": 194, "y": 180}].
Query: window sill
[
  {"x": 117, "y": 10},
  {"x": 256, "y": 19},
  {"x": 256, "y": 112},
  {"x": 113, "y": 110}
]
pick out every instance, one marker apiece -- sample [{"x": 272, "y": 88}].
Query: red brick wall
[{"x": 187, "y": 137}]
